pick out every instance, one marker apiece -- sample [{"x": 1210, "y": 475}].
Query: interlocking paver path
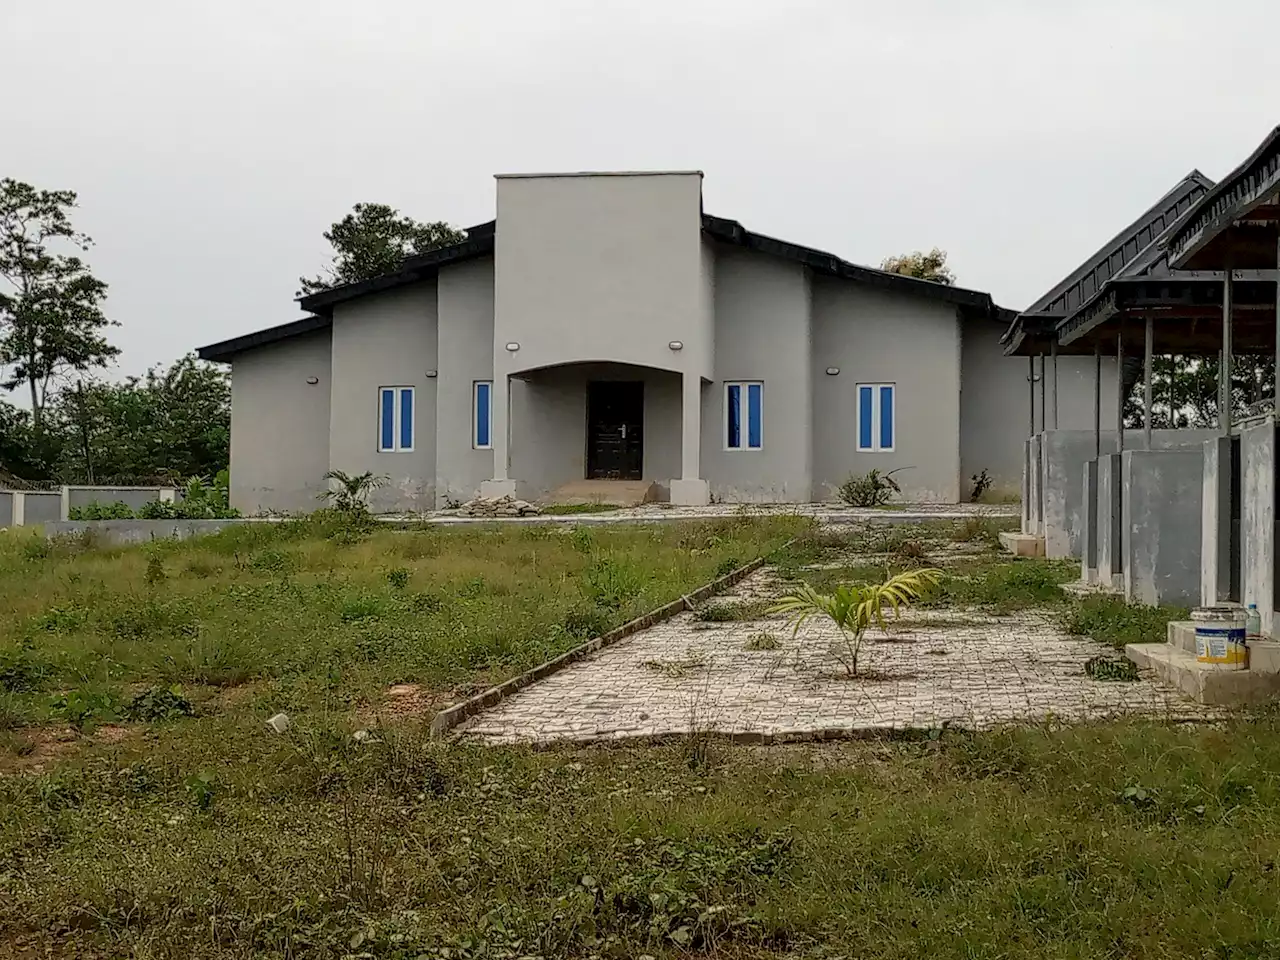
[{"x": 938, "y": 667}]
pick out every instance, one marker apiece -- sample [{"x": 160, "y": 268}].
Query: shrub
[
  {"x": 872, "y": 489},
  {"x": 159, "y": 703},
  {"x": 981, "y": 484},
  {"x": 84, "y": 709},
  {"x": 1111, "y": 621},
  {"x": 117, "y": 510},
  {"x": 610, "y": 584}
]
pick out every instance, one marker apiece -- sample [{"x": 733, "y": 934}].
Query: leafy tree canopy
[
  {"x": 374, "y": 239},
  {"x": 921, "y": 265}
]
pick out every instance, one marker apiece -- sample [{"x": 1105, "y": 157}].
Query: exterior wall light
[
  {"x": 431, "y": 374},
  {"x": 833, "y": 371},
  {"x": 313, "y": 380},
  {"x": 512, "y": 347},
  {"x": 676, "y": 345}
]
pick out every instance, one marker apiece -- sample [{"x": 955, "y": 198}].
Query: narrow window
[
  {"x": 482, "y": 415},
  {"x": 744, "y": 415},
  {"x": 395, "y": 419},
  {"x": 876, "y": 431}
]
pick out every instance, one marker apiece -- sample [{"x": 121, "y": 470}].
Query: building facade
[{"x": 604, "y": 327}]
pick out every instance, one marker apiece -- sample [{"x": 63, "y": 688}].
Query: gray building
[{"x": 603, "y": 327}]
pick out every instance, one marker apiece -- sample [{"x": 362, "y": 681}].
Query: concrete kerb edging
[{"x": 450, "y": 717}]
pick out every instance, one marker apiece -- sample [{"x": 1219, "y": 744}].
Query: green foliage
[
  {"x": 980, "y": 483},
  {"x": 871, "y": 489},
  {"x": 923, "y": 265},
  {"x": 349, "y": 493},
  {"x": 51, "y": 318},
  {"x": 398, "y": 578},
  {"x": 374, "y": 239},
  {"x": 762, "y": 641},
  {"x": 115, "y": 510},
  {"x": 1111, "y": 621},
  {"x": 611, "y": 584},
  {"x": 85, "y": 708},
  {"x": 571, "y": 509},
  {"x": 1005, "y": 588},
  {"x": 201, "y": 500},
  {"x": 1111, "y": 668},
  {"x": 852, "y": 608},
  {"x": 158, "y": 703}
]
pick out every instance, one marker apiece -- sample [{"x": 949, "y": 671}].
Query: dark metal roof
[
  {"x": 972, "y": 302},
  {"x": 1244, "y": 187},
  {"x": 480, "y": 243},
  {"x": 224, "y": 351},
  {"x": 1137, "y": 244}
]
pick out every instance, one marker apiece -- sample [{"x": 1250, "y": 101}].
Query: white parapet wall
[{"x": 1161, "y": 535}]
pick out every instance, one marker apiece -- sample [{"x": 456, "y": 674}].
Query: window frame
[
  {"x": 397, "y": 417},
  {"x": 877, "y": 417},
  {"x": 475, "y": 415},
  {"x": 744, "y": 416}
]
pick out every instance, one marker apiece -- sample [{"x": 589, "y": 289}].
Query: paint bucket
[{"x": 1220, "y": 637}]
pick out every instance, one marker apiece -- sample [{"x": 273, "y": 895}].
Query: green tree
[
  {"x": 373, "y": 240},
  {"x": 51, "y": 317},
  {"x": 931, "y": 265}
]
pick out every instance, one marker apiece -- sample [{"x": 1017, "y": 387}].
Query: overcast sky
[{"x": 212, "y": 143}]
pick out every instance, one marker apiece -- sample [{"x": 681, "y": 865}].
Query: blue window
[
  {"x": 876, "y": 417},
  {"x": 482, "y": 415},
  {"x": 744, "y": 415},
  {"x": 395, "y": 419}
]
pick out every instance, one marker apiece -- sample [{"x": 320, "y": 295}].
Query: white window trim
[
  {"x": 475, "y": 414},
  {"x": 396, "y": 409},
  {"x": 875, "y": 418},
  {"x": 743, "y": 426}
]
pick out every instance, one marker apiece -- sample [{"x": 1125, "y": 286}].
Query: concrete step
[
  {"x": 1022, "y": 544},
  {"x": 1182, "y": 635},
  {"x": 622, "y": 493},
  {"x": 1204, "y": 682}
]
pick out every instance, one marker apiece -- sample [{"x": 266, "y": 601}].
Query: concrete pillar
[
  {"x": 18, "y": 515},
  {"x": 1031, "y": 396},
  {"x": 1215, "y": 523},
  {"x": 1224, "y": 371},
  {"x": 501, "y": 485},
  {"x": 1097, "y": 400},
  {"x": 1044, "y": 384},
  {"x": 690, "y": 489},
  {"x": 1089, "y": 524},
  {"x": 1053, "y": 353},
  {"x": 1147, "y": 372},
  {"x": 1120, "y": 389}
]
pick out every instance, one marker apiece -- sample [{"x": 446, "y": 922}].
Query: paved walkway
[{"x": 937, "y": 667}]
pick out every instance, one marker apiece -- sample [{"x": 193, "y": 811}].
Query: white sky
[{"x": 212, "y": 143}]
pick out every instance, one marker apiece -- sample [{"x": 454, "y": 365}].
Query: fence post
[
  {"x": 65, "y": 510},
  {"x": 18, "y": 511}
]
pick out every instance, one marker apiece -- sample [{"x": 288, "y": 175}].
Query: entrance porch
[{"x": 581, "y": 427}]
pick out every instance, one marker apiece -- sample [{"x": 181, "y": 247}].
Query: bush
[
  {"x": 159, "y": 703},
  {"x": 1111, "y": 621},
  {"x": 872, "y": 489},
  {"x": 117, "y": 510}
]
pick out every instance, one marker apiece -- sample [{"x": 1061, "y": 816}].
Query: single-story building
[{"x": 603, "y": 327}]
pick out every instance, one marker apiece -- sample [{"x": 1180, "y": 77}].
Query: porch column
[
  {"x": 1097, "y": 400},
  {"x": 1044, "y": 385},
  {"x": 690, "y": 489},
  {"x": 1147, "y": 364},
  {"x": 1031, "y": 395},
  {"x": 1053, "y": 353},
  {"x": 501, "y": 485},
  {"x": 1275, "y": 392},
  {"x": 1120, "y": 389},
  {"x": 1224, "y": 369}
]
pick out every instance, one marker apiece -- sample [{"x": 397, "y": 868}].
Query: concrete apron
[{"x": 1161, "y": 492}]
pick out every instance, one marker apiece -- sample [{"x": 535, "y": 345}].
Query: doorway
[{"x": 615, "y": 429}]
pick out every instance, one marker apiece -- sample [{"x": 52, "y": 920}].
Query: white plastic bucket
[{"x": 1220, "y": 637}]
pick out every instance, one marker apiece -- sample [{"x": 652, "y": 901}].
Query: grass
[
  {"x": 572, "y": 509},
  {"x": 762, "y": 641},
  {"x": 728, "y": 611},
  {"x": 1111, "y": 621},
  {"x": 200, "y": 834},
  {"x": 307, "y": 614},
  {"x": 217, "y": 840}
]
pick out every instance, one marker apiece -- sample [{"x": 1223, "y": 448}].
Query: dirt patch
[{"x": 33, "y": 749}]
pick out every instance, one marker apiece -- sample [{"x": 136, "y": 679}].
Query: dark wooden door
[{"x": 615, "y": 429}]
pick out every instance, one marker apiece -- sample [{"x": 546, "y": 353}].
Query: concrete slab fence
[{"x": 29, "y": 508}]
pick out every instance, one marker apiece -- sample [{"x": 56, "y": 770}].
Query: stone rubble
[{"x": 506, "y": 506}]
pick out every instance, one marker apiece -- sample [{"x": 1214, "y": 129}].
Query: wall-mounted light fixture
[
  {"x": 431, "y": 374},
  {"x": 676, "y": 345},
  {"x": 313, "y": 380},
  {"x": 512, "y": 347},
  {"x": 833, "y": 371}
]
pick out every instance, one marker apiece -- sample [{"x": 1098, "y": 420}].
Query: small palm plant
[
  {"x": 854, "y": 607},
  {"x": 349, "y": 492}
]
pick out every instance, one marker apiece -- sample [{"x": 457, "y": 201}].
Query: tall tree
[
  {"x": 51, "y": 318},
  {"x": 930, "y": 265},
  {"x": 374, "y": 239}
]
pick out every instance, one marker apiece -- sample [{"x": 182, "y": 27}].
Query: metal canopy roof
[{"x": 1033, "y": 330}]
